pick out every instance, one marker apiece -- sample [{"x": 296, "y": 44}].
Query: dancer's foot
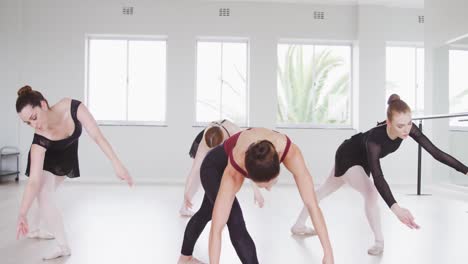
[
  {"x": 376, "y": 249},
  {"x": 40, "y": 234},
  {"x": 57, "y": 252},
  {"x": 185, "y": 212},
  {"x": 189, "y": 260},
  {"x": 302, "y": 230}
]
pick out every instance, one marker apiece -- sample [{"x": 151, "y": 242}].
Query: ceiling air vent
[
  {"x": 224, "y": 12},
  {"x": 421, "y": 19},
  {"x": 127, "y": 10},
  {"x": 319, "y": 15}
]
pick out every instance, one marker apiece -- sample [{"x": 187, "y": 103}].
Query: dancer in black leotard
[
  {"x": 360, "y": 156},
  {"x": 255, "y": 154},
  {"x": 213, "y": 135},
  {"x": 53, "y": 155}
]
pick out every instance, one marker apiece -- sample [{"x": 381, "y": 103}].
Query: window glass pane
[
  {"x": 234, "y": 82},
  {"x": 222, "y": 81},
  {"x": 147, "y": 81},
  {"x": 127, "y": 79},
  {"x": 419, "y": 81},
  {"x": 208, "y": 81},
  {"x": 401, "y": 74},
  {"x": 107, "y": 79},
  {"x": 458, "y": 85},
  {"x": 314, "y": 84}
]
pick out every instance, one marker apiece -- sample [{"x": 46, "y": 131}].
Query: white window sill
[
  {"x": 132, "y": 123},
  {"x": 308, "y": 126},
  {"x": 205, "y": 124}
]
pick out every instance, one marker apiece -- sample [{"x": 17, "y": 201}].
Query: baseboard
[{"x": 450, "y": 190}]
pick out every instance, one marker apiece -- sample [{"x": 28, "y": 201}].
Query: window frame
[
  {"x": 88, "y": 38},
  {"x": 221, "y": 39}
]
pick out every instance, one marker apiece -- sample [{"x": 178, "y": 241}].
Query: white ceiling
[{"x": 393, "y": 3}]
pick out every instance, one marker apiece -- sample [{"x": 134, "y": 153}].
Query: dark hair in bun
[
  {"x": 396, "y": 105},
  {"x": 262, "y": 161},
  {"x": 393, "y": 98},
  {"x": 27, "y": 96},
  {"x": 213, "y": 136}
]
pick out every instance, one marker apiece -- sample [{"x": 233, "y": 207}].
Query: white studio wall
[
  {"x": 52, "y": 56},
  {"x": 10, "y": 63}
]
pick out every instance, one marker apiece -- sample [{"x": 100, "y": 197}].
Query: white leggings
[
  {"x": 357, "y": 178},
  {"x": 47, "y": 213}
]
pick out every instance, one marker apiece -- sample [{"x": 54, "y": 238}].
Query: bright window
[
  {"x": 458, "y": 85},
  {"x": 405, "y": 76},
  {"x": 314, "y": 85},
  {"x": 127, "y": 79},
  {"x": 222, "y": 81}
]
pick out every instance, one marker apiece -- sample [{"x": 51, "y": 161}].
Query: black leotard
[
  {"x": 61, "y": 157},
  {"x": 366, "y": 150}
]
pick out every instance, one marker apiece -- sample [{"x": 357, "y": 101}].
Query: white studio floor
[{"x": 110, "y": 223}]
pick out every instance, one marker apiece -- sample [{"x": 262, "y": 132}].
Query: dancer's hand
[
  {"x": 22, "y": 227},
  {"x": 123, "y": 174},
  {"x": 258, "y": 199},
  {"x": 405, "y": 216},
  {"x": 187, "y": 201}
]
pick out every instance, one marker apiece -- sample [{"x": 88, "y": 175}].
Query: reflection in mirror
[
  {"x": 458, "y": 79},
  {"x": 458, "y": 96}
]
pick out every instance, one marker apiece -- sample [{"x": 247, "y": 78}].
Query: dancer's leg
[
  {"x": 357, "y": 178},
  {"x": 331, "y": 185},
  {"x": 51, "y": 215}
]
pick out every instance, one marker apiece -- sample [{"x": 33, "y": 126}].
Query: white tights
[
  {"x": 47, "y": 214},
  {"x": 357, "y": 178}
]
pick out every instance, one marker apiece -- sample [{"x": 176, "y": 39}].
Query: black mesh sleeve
[
  {"x": 373, "y": 158},
  {"x": 435, "y": 152},
  {"x": 41, "y": 141}
]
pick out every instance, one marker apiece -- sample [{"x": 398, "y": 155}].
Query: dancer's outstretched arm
[
  {"x": 258, "y": 197},
  {"x": 32, "y": 188},
  {"x": 294, "y": 162},
  {"x": 193, "y": 179},
  {"x": 230, "y": 185},
  {"x": 435, "y": 152},
  {"x": 89, "y": 123},
  {"x": 373, "y": 157}
]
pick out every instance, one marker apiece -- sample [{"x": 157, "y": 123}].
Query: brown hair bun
[{"x": 24, "y": 90}]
